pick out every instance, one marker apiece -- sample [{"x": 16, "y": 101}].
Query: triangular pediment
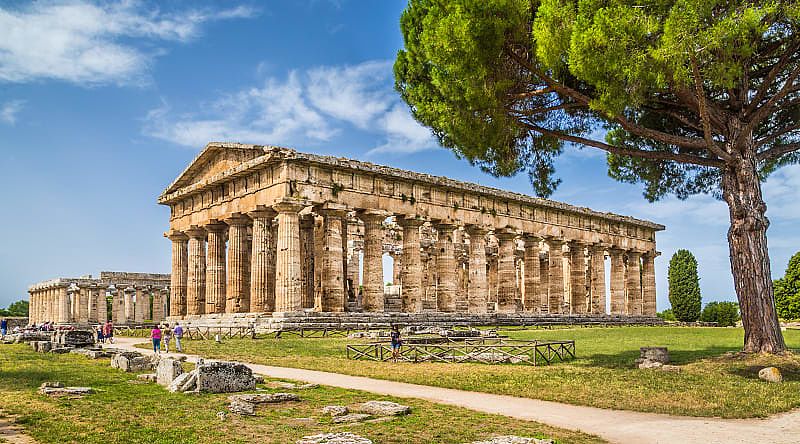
[{"x": 214, "y": 159}]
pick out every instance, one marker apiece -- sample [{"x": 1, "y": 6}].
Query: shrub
[
  {"x": 684, "y": 286},
  {"x": 787, "y": 290},
  {"x": 667, "y": 315},
  {"x": 725, "y": 314}
]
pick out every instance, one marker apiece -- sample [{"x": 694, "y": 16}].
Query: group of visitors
[
  {"x": 46, "y": 326},
  {"x": 105, "y": 333},
  {"x": 163, "y": 336}
]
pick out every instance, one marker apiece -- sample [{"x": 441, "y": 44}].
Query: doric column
[
  {"x": 556, "y": 275},
  {"x": 159, "y": 296},
  {"x": 373, "y": 260},
  {"x": 333, "y": 286},
  {"x": 236, "y": 301},
  {"x": 288, "y": 275},
  {"x": 532, "y": 279},
  {"x": 101, "y": 306},
  {"x": 180, "y": 271},
  {"x": 598, "y": 276},
  {"x": 142, "y": 305},
  {"x": 478, "y": 287},
  {"x": 118, "y": 306},
  {"x": 577, "y": 273},
  {"x": 62, "y": 301},
  {"x": 633, "y": 284},
  {"x": 196, "y": 276},
  {"x": 262, "y": 291},
  {"x": 307, "y": 259},
  {"x": 649, "y": 284},
  {"x": 91, "y": 304},
  {"x": 617, "y": 281},
  {"x": 445, "y": 268},
  {"x": 82, "y": 311},
  {"x": 215, "y": 268},
  {"x": 506, "y": 272},
  {"x": 411, "y": 274},
  {"x": 130, "y": 314}
]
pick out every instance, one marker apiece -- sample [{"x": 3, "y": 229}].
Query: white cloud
[
  {"x": 311, "y": 106},
  {"x": 9, "y": 111},
  {"x": 91, "y": 43}
]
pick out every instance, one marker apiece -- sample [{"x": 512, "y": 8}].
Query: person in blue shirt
[{"x": 3, "y": 327}]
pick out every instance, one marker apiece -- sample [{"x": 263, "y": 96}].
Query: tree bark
[{"x": 747, "y": 240}]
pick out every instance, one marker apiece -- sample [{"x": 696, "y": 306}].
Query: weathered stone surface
[
  {"x": 58, "y": 389},
  {"x": 670, "y": 368},
  {"x": 510, "y": 439},
  {"x": 42, "y": 346},
  {"x": 183, "y": 382},
  {"x": 224, "y": 377},
  {"x": 650, "y": 364},
  {"x": 246, "y": 404},
  {"x": 335, "y": 410},
  {"x": 167, "y": 370},
  {"x": 351, "y": 417},
  {"x": 382, "y": 408},
  {"x": 149, "y": 377},
  {"x": 74, "y": 338},
  {"x": 334, "y": 438},
  {"x": 770, "y": 374},
  {"x": 242, "y": 408},
  {"x": 657, "y": 354},
  {"x": 131, "y": 362}
]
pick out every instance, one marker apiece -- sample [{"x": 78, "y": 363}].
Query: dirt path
[
  {"x": 10, "y": 433},
  {"x": 618, "y": 426}
]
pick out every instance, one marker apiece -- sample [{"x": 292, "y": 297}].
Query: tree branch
[
  {"x": 764, "y": 110},
  {"x": 775, "y": 135},
  {"x": 777, "y": 151},
  {"x": 652, "y": 155},
  {"x": 771, "y": 76},
  {"x": 538, "y": 92},
  {"x": 701, "y": 100}
]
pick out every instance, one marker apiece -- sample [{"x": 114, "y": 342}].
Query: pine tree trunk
[{"x": 747, "y": 239}]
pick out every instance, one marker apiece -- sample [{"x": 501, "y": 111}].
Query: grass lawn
[
  {"x": 602, "y": 376},
  {"x": 126, "y": 411}
]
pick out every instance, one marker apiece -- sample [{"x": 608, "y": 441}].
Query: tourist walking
[
  {"x": 3, "y": 328},
  {"x": 166, "y": 336},
  {"x": 108, "y": 332},
  {"x": 100, "y": 336},
  {"x": 155, "y": 335},
  {"x": 177, "y": 332},
  {"x": 396, "y": 343}
]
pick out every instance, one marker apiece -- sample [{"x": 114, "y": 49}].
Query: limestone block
[
  {"x": 383, "y": 408},
  {"x": 670, "y": 368},
  {"x": 224, "y": 377},
  {"x": 75, "y": 338},
  {"x": 335, "y": 410},
  {"x": 184, "y": 382},
  {"x": 658, "y": 354},
  {"x": 149, "y": 377},
  {"x": 242, "y": 408},
  {"x": 770, "y": 374},
  {"x": 510, "y": 439},
  {"x": 264, "y": 398},
  {"x": 131, "y": 362},
  {"x": 58, "y": 389},
  {"x": 167, "y": 370},
  {"x": 648, "y": 364},
  {"x": 42, "y": 346},
  {"x": 351, "y": 417},
  {"x": 334, "y": 438}
]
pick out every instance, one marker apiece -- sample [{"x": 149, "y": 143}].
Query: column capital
[
  {"x": 196, "y": 232},
  {"x": 215, "y": 226},
  {"x": 176, "y": 236},
  {"x": 476, "y": 230},
  {"x": 531, "y": 240},
  {"x": 409, "y": 221},
  {"x": 289, "y": 205},
  {"x": 505, "y": 233},
  {"x": 237, "y": 219},
  {"x": 267, "y": 213},
  {"x": 372, "y": 215}
]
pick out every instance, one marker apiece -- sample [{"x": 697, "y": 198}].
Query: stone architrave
[
  {"x": 180, "y": 271},
  {"x": 411, "y": 274},
  {"x": 262, "y": 291},
  {"x": 196, "y": 276},
  {"x": 532, "y": 279},
  {"x": 649, "y": 284},
  {"x": 307, "y": 258},
  {"x": 577, "y": 270},
  {"x": 373, "y": 260},
  {"x": 617, "y": 285},
  {"x": 633, "y": 284},
  {"x": 333, "y": 272},
  {"x": 598, "y": 276},
  {"x": 506, "y": 271},
  {"x": 288, "y": 273},
  {"x": 237, "y": 300},
  {"x": 478, "y": 287},
  {"x": 215, "y": 267},
  {"x": 142, "y": 305},
  {"x": 556, "y": 272},
  {"x": 445, "y": 268}
]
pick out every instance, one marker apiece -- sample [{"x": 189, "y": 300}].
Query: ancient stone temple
[
  {"x": 125, "y": 298},
  {"x": 262, "y": 229}
]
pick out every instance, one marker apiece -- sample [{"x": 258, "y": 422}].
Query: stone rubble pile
[
  {"x": 655, "y": 358},
  {"x": 334, "y": 438},
  {"x": 246, "y": 404},
  {"x": 510, "y": 439},
  {"x": 58, "y": 389},
  {"x": 129, "y": 361}
]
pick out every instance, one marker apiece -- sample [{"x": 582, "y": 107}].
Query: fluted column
[
  {"x": 397, "y": 268},
  {"x": 373, "y": 260},
  {"x": 288, "y": 275},
  {"x": 142, "y": 305},
  {"x": 478, "y": 288},
  {"x": 617, "y": 281},
  {"x": 82, "y": 311},
  {"x": 598, "y": 276},
  {"x": 215, "y": 268},
  {"x": 532, "y": 279},
  {"x": 577, "y": 273},
  {"x": 262, "y": 293},
  {"x": 158, "y": 304},
  {"x": 307, "y": 259},
  {"x": 236, "y": 301},
  {"x": 101, "y": 306},
  {"x": 411, "y": 274},
  {"x": 506, "y": 272},
  {"x": 118, "y": 307},
  {"x": 130, "y": 314},
  {"x": 196, "y": 275},
  {"x": 180, "y": 271},
  {"x": 633, "y": 284},
  {"x": 333, "y": 286},
  {"x": 556, "y": 272},
  {"x": 62, "y": 299},
  {"x": 649, "y": 284},
  {"x": 445, "y": 268}
]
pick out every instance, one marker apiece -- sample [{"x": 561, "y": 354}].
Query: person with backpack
[
  {"x": 166, "y": 336},
  {"x": 177, "y": 332}
]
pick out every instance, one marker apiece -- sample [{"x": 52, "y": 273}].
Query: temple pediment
[{"x": 215, "y": 158}]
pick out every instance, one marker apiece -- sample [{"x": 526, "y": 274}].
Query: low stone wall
[{"x": 15, "y": 322}]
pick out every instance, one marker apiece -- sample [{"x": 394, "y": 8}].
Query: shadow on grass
[
  {"x": 790, "y": 372},
  {"x": 626, "y": 359}
]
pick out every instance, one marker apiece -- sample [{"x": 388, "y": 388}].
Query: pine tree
[
  {"x": 684, "y": 286},
  {"x": 787, "y": 290}
]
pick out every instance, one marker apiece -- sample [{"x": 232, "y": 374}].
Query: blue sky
[{"x": 102, "y": 105}]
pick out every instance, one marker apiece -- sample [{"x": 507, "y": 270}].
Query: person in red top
[
  {"x": 155, "y": 335},
  {"x": 108, "y": 332}
]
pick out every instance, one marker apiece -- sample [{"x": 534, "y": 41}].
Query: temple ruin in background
[{"x": 262, "y": 229}]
